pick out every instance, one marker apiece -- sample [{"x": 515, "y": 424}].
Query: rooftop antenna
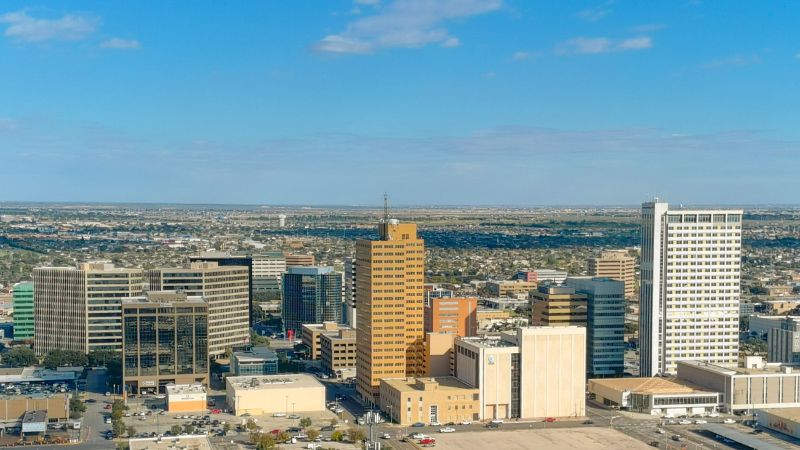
[{"x": 386, "y": 207}]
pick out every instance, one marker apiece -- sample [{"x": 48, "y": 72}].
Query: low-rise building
[
  {"x": 756, "y": 385},
  {"x": 13, "y": 408},
  {"x": 783, "y": 420},
  {"x": 312, "y": 332},
  {"x": 780, "y": 307},
  {"x": 439, "y": 354},
  {"x": 507, "y": 303},
  {"x": 186, "y": 398},
  {"x": 254, "y": 361},
  {"x": 656, "y": 396},
  {"x": 288, "y": 393},
  {"x": 338, "y": 353},
  {"x": 554, "y": 306},
  {"x": 429, "y": 400},
  {"x": 454, "y": 315},
  {"x": 783, "y": 341},
  {"x": 510, "y": 288}
]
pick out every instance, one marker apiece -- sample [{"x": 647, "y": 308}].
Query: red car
[
  {"x": 550, "y": 419},
  {"x": 107, "y": 407},
  {"x": 427, "y": 442},
  {"x": 216, "y": 411}
]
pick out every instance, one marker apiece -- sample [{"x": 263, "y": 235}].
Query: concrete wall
[{"x": 269, "y": 401}]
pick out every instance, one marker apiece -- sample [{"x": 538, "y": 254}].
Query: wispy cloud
[
  {"x": 21, "y": 26},
  {"x": 523, "y": 55},
  {"x": 404, "y": 24},
  {"x": 121, "y": 44},
  {"x": 647, "y": 28},
  {"x": 596, "y": 13},
  {"x": 734, "y": 61},
  {"x": 597, "y": 45}
]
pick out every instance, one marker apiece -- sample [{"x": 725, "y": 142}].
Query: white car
[
  {"x": 660, "y": 431},
  {"x": 447, "y": 430},
  {"x": 728, "y": 421},
  {"x": 435, "y": 424},
  {"x": 279, "y": 415},
  {"x": 418, "y": 436},
  {"x": 713, "y": 414},
  {"x": 466, "y": 422},
  {"x": 685, "y": 422},
  {"x": 386, "y": 436},
  {"x": 700, "y": 421}
]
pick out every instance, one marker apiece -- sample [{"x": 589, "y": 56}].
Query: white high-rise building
[{"x": 689, "y": 290}]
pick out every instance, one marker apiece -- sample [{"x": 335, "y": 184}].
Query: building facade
[
  {"x": 311, "y": 336},
  {"x": 429, "y": 400},
  {"x": 452, "y": 315},
  {"x": 389, "y": 295},
  {"x": 783, "y": 341},
  {"x": 165, "y": 342},
  {"x": 268, "y": 269},
  {"x": 80, "y": 308},
  {"x": 350, "y": 292},
  {"x": 518, "y": 376},
  {"x": 23, "y": 311},
  {"x": 555, "y": 306},
  {"x": 617, "y": 265},
  {"x": 311, "y": 295},
  {"x": 690, "y": 285},
  {"x": 225, "y": 259},
  {"x": 552, "y": 276},
  {"x": 255, "y": 361},
  {"x": 338, "y": 353},
  {"x": 226, "y": 289},
  {"x": 510, "y": 288},
  {"x": 655, "y": 396},
  {"x": 298, "y": 260},
  {"x": 287, "y": 394},
  {"x": 605, "y": 324}
]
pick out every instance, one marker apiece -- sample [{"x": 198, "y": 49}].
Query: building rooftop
[
  {"x": 785, "y": 413},
  {"x": 487, "y": 342},
  {"x": 767, "y": 368},
  {"x": 196, "y": 442},
  {"x": 644, "y": 385},
  {"x": 165, "y": 297},
  {"x": 310, "y": 270},
  {"x": 255, "y": 354},
  {"x": 427, "y": 384},
  {"x": 266, "y": 382},
  {"x": 178, "y": 389}
]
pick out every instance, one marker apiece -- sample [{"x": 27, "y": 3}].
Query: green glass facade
[{"x": 23, "y": 311}]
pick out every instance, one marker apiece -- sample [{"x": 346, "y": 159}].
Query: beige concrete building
[
  {"x": 13, "y": 408},
  {"x": 510, "y": 288},
  {"x": 429, "y": 400},
  {"x": 227, "y": 291},
  {"x": 535, "y": 372},
  {"x": 617, "y": 265},
  {"x": 557, "y": 306},
  {"x": 656, "y": 396},
  {"x": 783, "y": 420},
  {"x": 271, "y": 394},
  {"x": 439, "y": 354},
  {"x": 757, "y": 385},
  {"x": 312, "y": 333},
  {"x": 186, "y": 398},
  {"x": 454, "y": 315},
  {"x": 294, "y": 260},
  {"x": 338, "y": 353},
  {"x": 389, "y": 295},
  {"x": 79, "y": 308}
]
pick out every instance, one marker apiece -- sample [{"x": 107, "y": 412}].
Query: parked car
[
  {"x": 685, "y": 422},
  {"x": 447, "y": 430},
  {"x": 728, "y": 420},
  {"x": 276, "y": 415},
  {"x": 550, "y": 420},
  {"x": 293, "y": 416},
  {"x": 700, "y": 421},
  {"x": 417, "y": 425},
  {"x": 418, "y": 436},
  {"x": 386, "y": 436},
  {"x": 466, "y": 422}
]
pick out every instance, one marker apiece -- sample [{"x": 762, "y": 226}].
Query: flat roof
[
  {"x": 34, "y": 416},
  {"x": 655, "y": 385},
  {"x": 176, "y": 389},
  {"x": 416, "y": 384},
  {"x": 196, "y": 442},
  {"x": 267, "y": 382},
  {"x": 255, "y": 354},
  {"x": 742, "y": 438},
  {"x": 487, "y": 342},
  {"x": 784, "y": 413}
]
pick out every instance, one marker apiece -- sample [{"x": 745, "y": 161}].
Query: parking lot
[{"x": 573, "y": 438}]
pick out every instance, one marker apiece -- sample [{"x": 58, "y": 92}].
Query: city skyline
[{"x": 487, "y": 102}]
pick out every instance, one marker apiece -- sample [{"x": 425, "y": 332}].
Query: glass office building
[
  {"x": 165, "y": 341},
  {"x": 311, "y": 295},
  {"x": 23, "y": 311}
]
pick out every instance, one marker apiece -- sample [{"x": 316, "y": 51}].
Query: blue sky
[{"x": 435, "y": 102}]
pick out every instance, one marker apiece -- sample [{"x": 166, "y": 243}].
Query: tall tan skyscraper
[
  {"x": 80, "y": 308},
  {"x": 390, "y": 299},
  {"x": 617, "y": 265}
]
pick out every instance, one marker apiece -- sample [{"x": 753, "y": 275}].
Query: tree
[
  {"x": 312, "y": 434},
  {"x": 334, "y": 422},
  {"x": 283, "y": 436},
  {"x": 250, "y": 425},
  {"x": 99, "y": 358},
  {"x": 117, "y": 409},
  {"x": 117, "y": 427},
  {"x": 226, "y": 427},
  {"x": 20, "y": 357},
  {"x": 76, "y": 408},
  {"x": 265, "y": 442},
  {"x": 60, "y": 358},
  {"x": 337, "y": 436},
  {"x": 131, "y": 431},
  {"x": 305, "y": 422},
  {"x": 176, "y": 429},
  {"x": 189, "y": 428},
  {"x": 356, "y": 434}
]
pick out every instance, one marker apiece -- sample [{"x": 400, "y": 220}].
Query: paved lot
[{"x": 574, "y": 439}]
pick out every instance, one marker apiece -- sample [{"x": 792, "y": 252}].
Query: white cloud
[
  {"x": 121, "y": 44},
  {"x": 597, "y": 45},
  {"x": 735, "y": 61},
  {"x": 405, "y": 24},
  {"x": 521, "y": 56},
  {"x": 596, "y": 13},
  {"x": 25, "y": 28}
]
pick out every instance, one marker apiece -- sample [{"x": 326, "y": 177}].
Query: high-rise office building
[
  {"x": 311, "y": 295},
  {"x": 350, "y": 292},
  {"x": 268, "y": 268},
  {"x": 689, "y": 290},
  {"x": 23, "y": 311},
  {"x": 226, "y": 289},
  {"x": 297, "y": 259},
  {"x": 165, "y": 341},
  {"x": 783, "y": 340},
  {"x": 452, "y": 315},
  {"x": 557, "y": 306},
  {"x": 80, "y": 308},
  {"x": 617, "y": 265},
  {"x": 389, "y": 296},
  {"x": 605, "y": 324},
  {"x": 225, "y": 259}
]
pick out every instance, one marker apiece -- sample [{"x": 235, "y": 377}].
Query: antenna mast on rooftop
[{"x": 386, "y": 207}]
